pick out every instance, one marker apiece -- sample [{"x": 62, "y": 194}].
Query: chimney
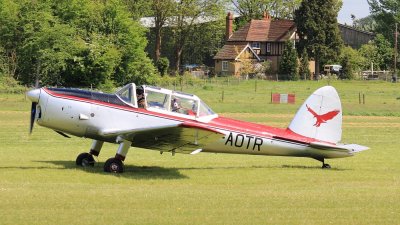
[
  {"x": 266, "y": 16},
  {"x": 229, "y": 24}
]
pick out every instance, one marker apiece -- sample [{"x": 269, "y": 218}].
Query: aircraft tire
[
  {"x": 85, "y": 160},
  {"x": 114, "y": 165}
]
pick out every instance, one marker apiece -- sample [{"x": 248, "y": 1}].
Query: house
[{"x": 264, "y": 40}]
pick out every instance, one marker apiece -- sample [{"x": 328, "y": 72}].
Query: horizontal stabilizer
[
  {"x": 322, "y": 145},
  {"x": 355, "y": 147},
  {"x": 348, "y": 147}
]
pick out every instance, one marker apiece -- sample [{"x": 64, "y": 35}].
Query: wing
[
  {"x": 183, "y": 138},
  {"x": 178, "y": 139}
]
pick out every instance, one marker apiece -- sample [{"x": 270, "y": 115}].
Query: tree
[
  {"x": 162, "y": 66},
  {"x": 254, "y": 9},
  {"x": 385, "y": 52},
  {"x": 316, "y": 22},
  {"x": 10, "y": 36},
  {"x": 379, "y": 52},
  {"x": 138, "y": 8},
  {"x": 162, "y": 11},
  {"x": 288, "y": 64},
  {"x": 366, "y": 24},
  {"x": 370, "y": 53},
  {"x": 206, "y": 40},
  {"x": 189, "y": 13},
  {"x": 304, "y": 69},
  {"x": 355, "y": 60},
  {"x": 386, "y": 14},
  {"x": 347, "y": 69}
]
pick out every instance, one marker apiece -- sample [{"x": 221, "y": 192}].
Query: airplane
[{"x": 160, "y": 119}]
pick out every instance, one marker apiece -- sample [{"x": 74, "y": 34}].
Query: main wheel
[
  {"x": 85, "y": 159},
  {"x": 114, "y": 165}
]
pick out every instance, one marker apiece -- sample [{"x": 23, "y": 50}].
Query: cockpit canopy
[{"x": 165, "y": 101}]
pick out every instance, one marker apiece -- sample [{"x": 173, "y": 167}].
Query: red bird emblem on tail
[{"x": 324, "y": 117}]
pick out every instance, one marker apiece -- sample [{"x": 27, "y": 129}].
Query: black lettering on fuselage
[
  {"x": 230, "y": 139},
  {"x": 257, "y": 142},
  {"x": 239, "y": 141},
  {"x": 248, "y": 141}
]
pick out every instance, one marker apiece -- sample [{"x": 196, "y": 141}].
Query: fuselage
[{"x": 89, "y": 114}]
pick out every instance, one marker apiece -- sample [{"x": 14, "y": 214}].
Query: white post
[{"x": 372, "y": 70}]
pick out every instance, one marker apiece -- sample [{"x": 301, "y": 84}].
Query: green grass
[{"x": 40, "y": 184}]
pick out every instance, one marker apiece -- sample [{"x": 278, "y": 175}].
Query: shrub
[{"x": 162, "y": 65}]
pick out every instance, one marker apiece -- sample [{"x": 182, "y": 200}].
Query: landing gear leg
[
  {"x": 86, "y": 159},
  {"x": 116, "y": 165},
  {"x": 96, "y": 147}
]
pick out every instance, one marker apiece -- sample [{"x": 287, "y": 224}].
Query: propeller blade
[
  {"x": 33, "y": 113},
  {"x": 62, "y": 134}
]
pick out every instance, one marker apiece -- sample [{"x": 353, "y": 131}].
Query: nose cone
[{"x": 33, "y": 95}]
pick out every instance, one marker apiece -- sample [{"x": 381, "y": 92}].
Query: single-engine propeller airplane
[{"x": 170, "y": 121}]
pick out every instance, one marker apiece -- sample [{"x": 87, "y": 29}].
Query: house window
[
  {"x": 224, "y": 65},
  {"x": 255, "y": 45},
  {"x": 268, "y": 47}
]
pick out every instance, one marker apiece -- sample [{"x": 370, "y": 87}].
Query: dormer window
[{"x": 255, "y": 45}]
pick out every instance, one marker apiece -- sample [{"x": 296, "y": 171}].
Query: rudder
[{"x": 320, "y": 116}]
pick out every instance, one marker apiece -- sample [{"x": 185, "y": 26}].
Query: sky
[{"x": 359, "y": 8}]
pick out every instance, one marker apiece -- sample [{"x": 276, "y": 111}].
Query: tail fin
[{"x": 320, "y": 117}]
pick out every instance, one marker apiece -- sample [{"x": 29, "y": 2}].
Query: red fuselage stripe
[{"x": 219, "y": 123}]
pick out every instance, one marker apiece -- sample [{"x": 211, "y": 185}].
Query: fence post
[
  {"x": 271, "y": 97},
  {"x": 359, "y": 98},
  {"x": 222, "y": 97},
  {"x": 364, "y": 99}
]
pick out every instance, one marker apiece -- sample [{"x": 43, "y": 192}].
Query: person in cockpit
[
  {"x": 140, "y": 98},
  {"x": 175, "y": 106}
]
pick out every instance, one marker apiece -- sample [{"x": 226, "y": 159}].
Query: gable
[{"x": 234, "y": 51}]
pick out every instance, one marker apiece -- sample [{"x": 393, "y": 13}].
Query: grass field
[{"x": 40, "y": 184}]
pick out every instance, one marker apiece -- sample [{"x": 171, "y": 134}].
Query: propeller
[
  {"x": 33, "y": 114},
  {"x": 34, "y": 96}
]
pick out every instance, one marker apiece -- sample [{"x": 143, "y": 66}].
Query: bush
[
  {"x": 347, "y": 70},
  {"x": 10, "y": 85},
  {"x": 162, "y": 65}
]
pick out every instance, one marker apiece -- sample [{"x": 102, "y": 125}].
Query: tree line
[
  {"x": 102, "y": 43},
  {"x": 76, "y": 43}
]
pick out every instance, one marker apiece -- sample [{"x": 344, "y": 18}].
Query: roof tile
[{"x": 264, "y": 30}]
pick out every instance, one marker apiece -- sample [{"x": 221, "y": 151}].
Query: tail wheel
[
  {"x": 326, "y": 166},
  {"x": 114, "y": 165},
  {"x": 85, "y": 160}
]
